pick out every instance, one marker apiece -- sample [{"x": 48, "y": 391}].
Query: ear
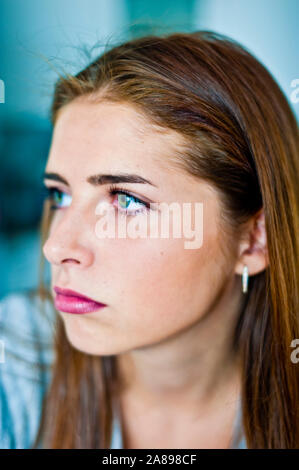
[{"x": 253, "y": 250}]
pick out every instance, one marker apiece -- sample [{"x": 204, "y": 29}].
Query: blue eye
[
  {"x": 57, "y": 197},
  {"x": 127, "y": 203}
]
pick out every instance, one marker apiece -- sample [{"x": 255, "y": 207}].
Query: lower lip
[{"x": 72, "y": 304}]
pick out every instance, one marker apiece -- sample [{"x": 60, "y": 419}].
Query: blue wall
[{"x": 268, "y": 28}]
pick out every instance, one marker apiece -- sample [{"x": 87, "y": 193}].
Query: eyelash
[{"x": 113, "y": 189}]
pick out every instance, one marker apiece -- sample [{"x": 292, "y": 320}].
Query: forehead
[
  {"x": 107, "y": 137},
  {"x": 111, "y": 133}
]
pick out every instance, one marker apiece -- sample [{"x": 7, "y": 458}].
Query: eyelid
[
  {"x": 114, "y": 189},
  {"x": 125, "y": 193}
]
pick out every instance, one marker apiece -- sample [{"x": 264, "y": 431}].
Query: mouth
[{"x": 70, "y": 301}]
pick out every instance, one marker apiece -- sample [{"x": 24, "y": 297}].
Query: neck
[{"x": 192, "y": 368}]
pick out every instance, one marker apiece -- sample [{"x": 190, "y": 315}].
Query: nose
[{"x": 68, "y": 241}]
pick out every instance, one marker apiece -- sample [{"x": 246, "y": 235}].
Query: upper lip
[{"x": 59, "y": 290}]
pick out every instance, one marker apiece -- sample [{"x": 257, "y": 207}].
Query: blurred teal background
[{"x": 37, "y": 37}]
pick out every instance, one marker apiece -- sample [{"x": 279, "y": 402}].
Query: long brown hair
[{"x": 242, "y": 136}]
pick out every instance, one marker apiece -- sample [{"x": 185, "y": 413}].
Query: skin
[{"x": 170, "y": 311}]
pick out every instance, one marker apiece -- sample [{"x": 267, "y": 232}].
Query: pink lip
[{"x": 70, "y": 301}]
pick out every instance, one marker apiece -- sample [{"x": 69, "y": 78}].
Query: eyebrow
[{"x": 101, "y": 179}]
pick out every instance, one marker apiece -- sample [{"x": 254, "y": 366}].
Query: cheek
[{"x": 164, "y": 280}]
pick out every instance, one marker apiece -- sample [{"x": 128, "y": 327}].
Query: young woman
[{"x": 179, "y": 348}]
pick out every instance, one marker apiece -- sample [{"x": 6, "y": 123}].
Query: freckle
[{"x": 162, "y": 253}]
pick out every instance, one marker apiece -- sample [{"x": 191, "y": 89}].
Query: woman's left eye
[
  {"x": 129, "y": 204},
  {"x": 58, "y": 198}
]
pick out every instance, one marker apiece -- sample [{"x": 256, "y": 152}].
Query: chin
[
  {"x": 82, "y": 342},
  {"x": 81, "y": 345}
]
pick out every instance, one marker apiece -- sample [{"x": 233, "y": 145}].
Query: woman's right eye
[{"x": 57, "y": 198}]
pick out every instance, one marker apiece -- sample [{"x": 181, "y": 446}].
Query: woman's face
[{"x": 153, "y": 288}]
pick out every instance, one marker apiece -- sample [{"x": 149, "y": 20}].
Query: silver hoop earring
[{"x": 245, "y": 279}]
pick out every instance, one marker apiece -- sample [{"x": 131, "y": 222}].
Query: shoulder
[{"x": 26, "y": 355}]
